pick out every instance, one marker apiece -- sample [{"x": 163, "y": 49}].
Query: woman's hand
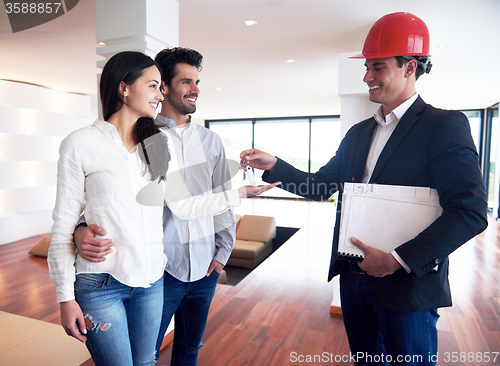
[
  {"x": 249, "y": 191},
  {"x": 72, "y": 320}
]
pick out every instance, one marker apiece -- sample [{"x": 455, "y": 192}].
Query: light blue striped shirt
[{"x": 191, "y": 245}]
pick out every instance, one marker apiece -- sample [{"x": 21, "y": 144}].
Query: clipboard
[{"x": 384, "y": 216}]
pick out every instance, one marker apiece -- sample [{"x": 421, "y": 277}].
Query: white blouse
[{"x": 97, "y": 173}]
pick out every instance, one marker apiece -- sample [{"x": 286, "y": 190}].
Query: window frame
[{"x": 254, "y": 121}]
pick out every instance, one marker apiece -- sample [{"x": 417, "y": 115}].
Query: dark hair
[
  {"x": 170, "y": 57},
  {"x": 154, "y": 153},
  {"x": 127, "y": 67},
  {"x": 423, "y": 64}
]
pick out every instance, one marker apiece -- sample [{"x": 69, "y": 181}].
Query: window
[
  {"x": 307, "y": 143},
  {"x": 486, "y": 135},
  {"x": 325, "y": 140},
  {"x": 236, "y": 137},
  {"x": 288, "y": 139},
  {"x": 491, "y": 174}
]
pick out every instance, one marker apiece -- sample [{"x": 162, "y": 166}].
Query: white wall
[
  {"x": 355, "y": 106},
  {"x": 33, "y": 121}
]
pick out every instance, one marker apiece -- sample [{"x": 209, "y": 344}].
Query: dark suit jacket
[{"x": 429, "y": 148}]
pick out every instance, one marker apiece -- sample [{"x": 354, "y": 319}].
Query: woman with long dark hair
[{"x": 115, "y": 170}]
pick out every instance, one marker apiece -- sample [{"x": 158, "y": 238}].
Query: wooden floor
[{"x": 280, "y": 312}]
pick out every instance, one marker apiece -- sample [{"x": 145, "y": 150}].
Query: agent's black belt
[{"x": 355, "y": 268}]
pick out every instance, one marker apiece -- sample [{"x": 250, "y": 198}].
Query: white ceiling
[{"x": 248, "y": 64}]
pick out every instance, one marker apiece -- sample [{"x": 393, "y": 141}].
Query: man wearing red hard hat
[{"x": 390, "y": 300}]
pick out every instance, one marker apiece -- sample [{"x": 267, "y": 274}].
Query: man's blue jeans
[
  {"x": 381, "y": 336},
  {"x": 190, "y": 302},
  {"x": 122, "y": 321}
]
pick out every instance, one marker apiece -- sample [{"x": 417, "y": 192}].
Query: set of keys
[{"x": 247, "y": 171}]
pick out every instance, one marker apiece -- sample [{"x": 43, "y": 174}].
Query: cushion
[
  {"x": 248, "y": 249},
  {"x": 256, "y": 228},
  {"x": 42, "y": 248}
]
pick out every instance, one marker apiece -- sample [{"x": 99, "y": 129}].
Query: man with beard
[{"x": 197, "y": 250}]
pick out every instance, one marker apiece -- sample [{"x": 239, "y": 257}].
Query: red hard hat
[{"x": 396, "y": 34}]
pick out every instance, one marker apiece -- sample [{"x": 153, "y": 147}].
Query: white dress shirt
[
  {"x": 386, "y": 126},
  {"x": 96, "y": 173}
]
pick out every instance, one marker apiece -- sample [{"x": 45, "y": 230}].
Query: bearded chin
[
  {"x": 180, "y": 107},
  {"x": 189, "y": 110}
]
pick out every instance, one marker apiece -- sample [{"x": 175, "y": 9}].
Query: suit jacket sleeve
[{"x": 454, "y": 170}]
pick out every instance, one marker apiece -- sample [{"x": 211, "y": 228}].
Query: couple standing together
[
  {"x": 120, "y": 171},
  {"x": 389, "y": 300}
]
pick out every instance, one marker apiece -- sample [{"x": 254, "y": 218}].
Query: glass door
[{"x": 492, "y": 156}]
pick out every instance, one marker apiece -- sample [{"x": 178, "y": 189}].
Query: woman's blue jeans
[{"x": 122, "y": 322}]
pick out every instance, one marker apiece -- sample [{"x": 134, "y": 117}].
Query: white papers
[{"x": 384, "y": 216}]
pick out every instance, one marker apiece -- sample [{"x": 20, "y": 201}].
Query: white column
[
  {"x": 335, "y": 307},
  {"x": 354, "y": 107},
  {"x": 146, "y": 26},
  {"x": 136, "y": 25}
]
